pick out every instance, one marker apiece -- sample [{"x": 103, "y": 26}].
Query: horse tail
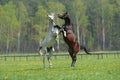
[{"x": 84, "y": 48}]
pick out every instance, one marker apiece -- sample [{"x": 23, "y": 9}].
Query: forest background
[{"x": 24, "y": 23}]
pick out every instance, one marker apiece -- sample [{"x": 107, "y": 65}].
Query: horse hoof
[
  {"x": 50, "y": 66},
  {"x": 72, "y": 66}
]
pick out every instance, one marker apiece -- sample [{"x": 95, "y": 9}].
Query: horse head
[
  {"x": 55, "y": 28},
  {"x": 51, "y": 16},
  {"x": 63, "y": 16}
]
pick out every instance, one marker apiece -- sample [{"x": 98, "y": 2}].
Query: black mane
[{"x": 56, "y": 26}]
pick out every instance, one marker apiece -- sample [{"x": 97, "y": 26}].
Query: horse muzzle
[{"x": 60, "y": 16}]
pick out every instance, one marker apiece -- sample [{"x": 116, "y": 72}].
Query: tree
[
  {"x": 40, "y": 22},
  {"x": 55, "y": 7},
  {"x": 23, "y": 23},
  {"x": 22, "y": 17},
  {"x": 8, "y": 26},
  {"x": 107, "y": 15},
  {"x": 81, "y": 19}
]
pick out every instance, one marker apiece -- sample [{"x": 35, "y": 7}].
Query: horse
[
  {"x": 69, "y": 38},
  {"x": 51, "y": 38}
]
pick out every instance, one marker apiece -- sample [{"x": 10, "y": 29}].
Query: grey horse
[{"x": 49, "y": 41}]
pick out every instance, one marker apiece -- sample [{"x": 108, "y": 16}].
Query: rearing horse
[
  {"x": 70, "y": 39},
  {"x": 50, "y": 39}
]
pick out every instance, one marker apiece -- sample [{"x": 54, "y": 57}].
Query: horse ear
[
  {"x": 66, "y": 12},
  {"x": 47, "y": 14}
]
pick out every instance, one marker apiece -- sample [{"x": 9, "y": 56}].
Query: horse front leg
[{"x": 43, "y": 54}]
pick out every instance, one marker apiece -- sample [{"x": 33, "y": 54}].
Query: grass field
[{"x": 87, "y": 68}]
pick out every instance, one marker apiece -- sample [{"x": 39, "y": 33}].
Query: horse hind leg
[
  {"x": 49, "y": 60},
  {"x": 49, "y": 57},
  {"x": 74, "y": 58},
  {"x": 44, "y": 56}
]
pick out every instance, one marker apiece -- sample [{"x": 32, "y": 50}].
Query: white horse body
[{"x": 49, "y": 40}]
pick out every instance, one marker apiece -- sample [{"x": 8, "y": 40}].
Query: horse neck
[
  {"x": 51, "y": 23},
  {"x": 67, "y": 21}
]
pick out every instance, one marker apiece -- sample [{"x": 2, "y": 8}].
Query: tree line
[{"x": 23, "y": 23}]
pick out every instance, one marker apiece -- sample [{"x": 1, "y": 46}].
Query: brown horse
[{"x": 70, "y": 39}]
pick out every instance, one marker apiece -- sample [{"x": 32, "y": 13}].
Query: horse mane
[{"x": 58, "y": 27}]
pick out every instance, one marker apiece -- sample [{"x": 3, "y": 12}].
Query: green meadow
[{"x": 87, "y": 68}]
